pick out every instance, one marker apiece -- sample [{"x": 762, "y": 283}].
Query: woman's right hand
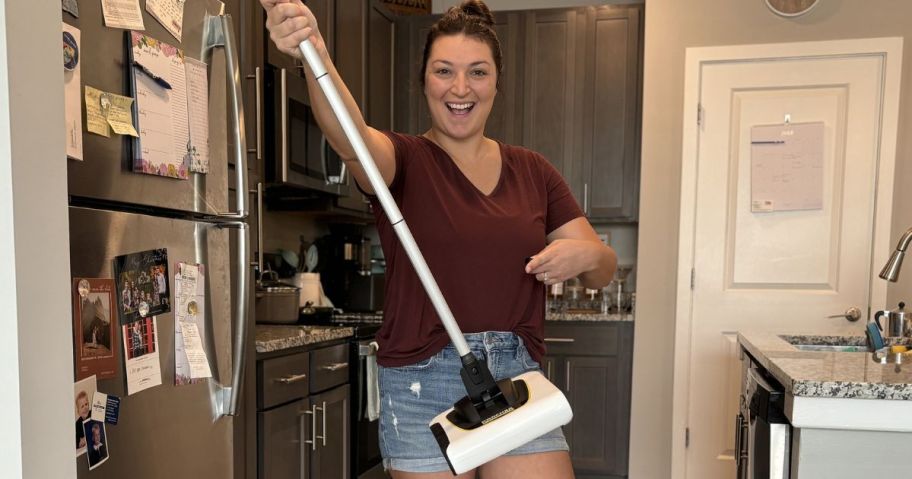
[{"x": 289, "y": 23}]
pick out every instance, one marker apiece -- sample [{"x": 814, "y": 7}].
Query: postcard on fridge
[
  {"x": 140, "y": 340},
  {"x": 93, "y": 327},
  {"x": 83, "y": 391},
  {"x": 142, "y": 284},
  {"x": 96, "y": 442}
]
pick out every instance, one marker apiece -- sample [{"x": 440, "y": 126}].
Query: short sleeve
[
  {"x": 401, "y": 146},
  {"x": 562, "y": 206}
]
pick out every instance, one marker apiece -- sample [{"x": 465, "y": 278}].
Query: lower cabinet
[
  {"x": 303, "y": 415},
  {"x": 591, "y": 362}
]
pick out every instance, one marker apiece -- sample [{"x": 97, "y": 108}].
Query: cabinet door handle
[
  {"x": 323, "y": 437},
  {"x": 324, "y": 423},
  {"x": 257, "y": 78},
  {"x": 568, "y": 375},
  {"x": 293, "y": 378},
  {"x": 313, "y": 427},
  {"x": 334, "y": 366},
  {"x": 559, "y": 340},
  {"x": 550, "y": 363}
]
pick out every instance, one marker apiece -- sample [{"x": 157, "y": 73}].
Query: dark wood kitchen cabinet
[
  {"x": 582, "y": 103},
  {"x": 303, "y": 414},
  {"x": 366, "y": 32},
  {"x": 551, "y": 90},
  {"x": 249, "y": 19},
  {"x": 591, "y": 362},
  {"x": 608, "y": 152}
]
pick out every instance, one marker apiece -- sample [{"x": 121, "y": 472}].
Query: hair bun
[{"x": 477, "y": 8}]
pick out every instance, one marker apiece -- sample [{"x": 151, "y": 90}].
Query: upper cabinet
[
  {"x": 552, "y": 75},
  {"x": 570, "y": 90},
  {"x": 609, "y": 153}
]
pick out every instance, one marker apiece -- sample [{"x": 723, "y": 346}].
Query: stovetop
[{"x": 365, "y": 325}]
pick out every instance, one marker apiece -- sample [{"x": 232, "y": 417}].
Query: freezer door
[
  {"x": 166, "y": 431},
  {"x": 107, "y": 170}
]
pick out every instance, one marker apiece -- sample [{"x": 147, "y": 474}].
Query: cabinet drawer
[
  {"x": 587, "y": 339},
  {"x": 282, "y": 379},
  {"x": 328, "y": 367}
]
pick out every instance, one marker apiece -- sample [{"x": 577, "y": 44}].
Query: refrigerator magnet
[{"x": 70, "y": 51}]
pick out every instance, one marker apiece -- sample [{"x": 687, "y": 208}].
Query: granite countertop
[
  {"x": 594, "y": 317},
  {"x": 271, "y": 337},
  {"x": 824, "y": 374},
  {"x": 277, "y": 337}
]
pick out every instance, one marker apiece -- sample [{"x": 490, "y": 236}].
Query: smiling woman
[{"x": 477, "y": 209}]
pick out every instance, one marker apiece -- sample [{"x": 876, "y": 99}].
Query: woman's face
[{"x": 460, "y": 84}]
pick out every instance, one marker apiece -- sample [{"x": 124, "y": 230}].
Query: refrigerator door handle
[
  {"x": 242, "y": 289},
  {"x": 219, "y": 33}
]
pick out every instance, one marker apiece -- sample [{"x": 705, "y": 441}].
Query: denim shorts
[{"x": 411, "y": 396}]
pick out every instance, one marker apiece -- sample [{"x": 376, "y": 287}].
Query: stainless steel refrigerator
[{"x": 170, "y": 431}]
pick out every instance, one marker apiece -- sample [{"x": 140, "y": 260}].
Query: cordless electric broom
[{"x": 495, "y": 417}]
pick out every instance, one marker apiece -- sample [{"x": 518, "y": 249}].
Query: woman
[{"x": 477, "y": 209}]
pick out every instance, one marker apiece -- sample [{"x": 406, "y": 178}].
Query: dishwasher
[{"x": 769, "y": 433}]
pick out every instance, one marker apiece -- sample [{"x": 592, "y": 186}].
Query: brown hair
[{"x": 472, "y": 18}]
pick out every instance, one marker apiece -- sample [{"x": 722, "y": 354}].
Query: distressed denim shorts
[{"x": 411, "y": 396}]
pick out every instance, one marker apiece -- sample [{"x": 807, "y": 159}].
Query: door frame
[{"x": 890, "y": 49}]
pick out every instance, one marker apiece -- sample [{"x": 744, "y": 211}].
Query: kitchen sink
[{"x": 833, "y": 344}]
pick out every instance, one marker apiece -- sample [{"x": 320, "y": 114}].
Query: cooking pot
[{"x": 276, "y": 302}]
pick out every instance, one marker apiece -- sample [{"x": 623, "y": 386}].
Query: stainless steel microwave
[{"x": 297, "y": 152}]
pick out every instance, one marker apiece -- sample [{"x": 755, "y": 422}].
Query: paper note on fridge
[
  {"x": 106, "y": 112},
  {"x": 120, "y": 118},
  {"x": 170, "y": 13},
  {"x": 164, "y": 132},
  {"x": 198, "y": 111},
  {"x": 193, "y": 348},
  {"x": 122, "y": 14},
  {"x": 190, "y": 361}
]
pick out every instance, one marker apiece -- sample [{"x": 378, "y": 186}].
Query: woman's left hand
[{"x": 563, "y": 259}]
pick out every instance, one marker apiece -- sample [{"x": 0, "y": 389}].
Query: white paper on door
[{"x": 787, "y": 167}]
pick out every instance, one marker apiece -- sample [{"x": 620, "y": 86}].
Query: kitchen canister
[{"x": 311, "y": 290}]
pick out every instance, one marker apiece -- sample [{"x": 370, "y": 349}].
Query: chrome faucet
[{"x": 890, "y": 271}]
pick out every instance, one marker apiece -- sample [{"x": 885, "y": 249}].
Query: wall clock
[{"x": 791, "y": 8}]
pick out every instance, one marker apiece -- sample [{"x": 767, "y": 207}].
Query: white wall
[
  {"x": 671, "y": 27},
  {"x": 36, "y": 377}
]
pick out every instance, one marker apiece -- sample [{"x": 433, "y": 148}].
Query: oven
[
  {"x": 297, "y": 152},
  {"x": 365, "y": 441}
]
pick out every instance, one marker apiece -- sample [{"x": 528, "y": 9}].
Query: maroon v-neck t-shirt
[{"x": 474, "y": 244}]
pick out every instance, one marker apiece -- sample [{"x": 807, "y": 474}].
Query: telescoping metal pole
[{"x": 386, "y": 199}]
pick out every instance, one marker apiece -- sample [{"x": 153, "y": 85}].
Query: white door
[{"x": 777, "y": 271}]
